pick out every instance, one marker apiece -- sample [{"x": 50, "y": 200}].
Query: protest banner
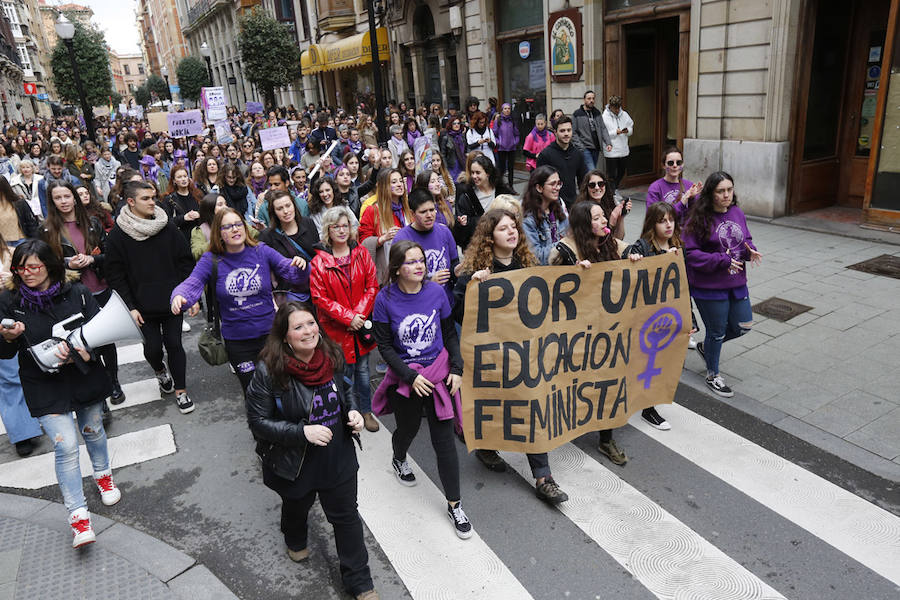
[
  {"x": 185, "y": 124},
  {"x": 213, "y": 102},
  {"x": 422, "y": 150},
  {"x": 223, "y": 131},
  {"x": 274, "y": 137},
  {"x": 159, "y": 121},
  {"x": 552, "y": 353},
  {"x": 101, "y": 111},
  {"x": 254, "y": 107},
  {"x": 123, "y": 108}
]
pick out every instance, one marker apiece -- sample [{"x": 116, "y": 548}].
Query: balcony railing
[{"x": 202, "y": 8}]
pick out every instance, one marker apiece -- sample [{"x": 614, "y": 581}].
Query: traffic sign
[{"x": 30, "y": 88}]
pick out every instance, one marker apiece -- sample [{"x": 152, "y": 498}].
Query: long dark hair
[
  {"x": 607, "y": 202},
  {"x": 397, "y": 256},
  {"x": 315, "y": 194},
  {"x": 56, "y": 268},
  {"x": 656, "y": 212},
  {"x": 272, "y": 354},
  {"x": 701, "y": 215},
  {"x": 208, "y": 208},
  {"x": 489, "y": 169},
  {"x": 532, "y": 200},
  {"x": 6, "y": 192},
  {"x": 271, "y": 197},
  {"x": 55, "y": 226},
  {"x": 589, "y": 246}
]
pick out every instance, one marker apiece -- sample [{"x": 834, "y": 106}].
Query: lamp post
[
  {"x": 376, "y": 73},
  {"x": 66, "y": 31},
  {"x": 206, "y": 52},
  {"x": 165, "y": 73}
]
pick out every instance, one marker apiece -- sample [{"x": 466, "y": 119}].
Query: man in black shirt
[{"x": 567, "y": 160}]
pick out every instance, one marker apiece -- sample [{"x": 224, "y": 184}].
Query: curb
[
  {"x": 825, "y": 441},
  {"x": 157, "y": 566}
]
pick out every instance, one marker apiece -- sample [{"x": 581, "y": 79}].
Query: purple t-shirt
[
  {"x": 663, "y": 191},
  {"x": 708, "y": 261},
  {"x": 243, "y": 289},
  {"x": 440, "y": 250},
  {"x": 415, "y": 320}
]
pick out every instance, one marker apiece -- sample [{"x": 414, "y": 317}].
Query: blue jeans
[
  {"x": 61, "y": 430},
  {"x": 590, "y": 159},
  {"x": 359, "y": 375},
  {"x": 724, "y": 320},
  {"x": 19, "y": 423}
]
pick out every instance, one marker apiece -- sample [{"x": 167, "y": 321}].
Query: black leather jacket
[{"x": 280, "y": 442}]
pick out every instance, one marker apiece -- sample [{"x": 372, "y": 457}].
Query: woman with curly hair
[{"x": 499, "y": 245}]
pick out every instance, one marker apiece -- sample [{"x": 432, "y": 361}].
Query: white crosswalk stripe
[
  {"x": 412, "y": 528},
  {"x": 35, "y": 472},
  {"x": 854, "y": 526}
]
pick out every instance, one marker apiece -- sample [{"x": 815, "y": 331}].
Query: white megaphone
[{"x": 112, "y": 324}]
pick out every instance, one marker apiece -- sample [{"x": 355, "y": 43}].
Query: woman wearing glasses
[
  {"x": 243, "y": 285},
  {"x": 674, "y": 188},
  {"x": 545, "y": 221},
  {"x": 40, "y": 298}
]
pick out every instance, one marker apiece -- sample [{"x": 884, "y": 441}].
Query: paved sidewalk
[
  {"x": 37, "y": 560},
  {"x": 829, "y": 376}
]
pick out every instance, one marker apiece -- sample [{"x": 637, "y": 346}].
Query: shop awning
[
  {"x": 312, "y": 60},
  {"x": 353, "y": 51}
]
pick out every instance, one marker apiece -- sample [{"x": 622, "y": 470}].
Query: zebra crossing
[{"x": 796, "y": 534}]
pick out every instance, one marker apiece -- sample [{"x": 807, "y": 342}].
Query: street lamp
[
  {"x": 165, "y": 73},
  {"x": 206, "y": 52},
  {"x": 66, "y": 31}
]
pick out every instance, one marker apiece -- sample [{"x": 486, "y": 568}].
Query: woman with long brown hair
[
  {"x": 430, "y": 181},
  {"x": 303, "y": 414},
  {"x": 594, "y": 188},
  {"x": 545, "y": 221},
  {"x": 182, "y": 201},
  {"x": 499, "y": 245},
  {"x": 380, "y": 222}
]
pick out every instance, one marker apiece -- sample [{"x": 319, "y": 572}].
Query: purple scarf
[
  {"x": 411, "y": 137},
  {"x": 397, "y": 209},
  {"x": 38, "y": 300},
  {"x": 540, "y": 134},
  {"x": 457, "y": 138},
  {"x": 258, "y": 187}
]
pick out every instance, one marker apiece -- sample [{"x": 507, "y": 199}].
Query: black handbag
[{"x": 210, "y": 344}]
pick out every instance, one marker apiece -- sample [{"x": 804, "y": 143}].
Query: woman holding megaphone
[{"x": 40, "y": 298}]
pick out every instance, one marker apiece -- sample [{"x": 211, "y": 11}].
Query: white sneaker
[
  {"x": 80, "y": 522},
  {"x": 109, "y": 492},
  {"x": 185, "y": 326}
]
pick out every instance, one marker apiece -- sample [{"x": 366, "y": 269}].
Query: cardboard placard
[
  {"x": 274, "y": 137},
  {"x": 552, "y": 353},
  {"x": 254, "y": 107},
  {"x": 213, "y": 100},
  {"x": 159, "y": 121},
  {"x": 185, "y": 124}
]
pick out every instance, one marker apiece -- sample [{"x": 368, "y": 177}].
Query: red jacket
[{"x": 339, "y": 300}]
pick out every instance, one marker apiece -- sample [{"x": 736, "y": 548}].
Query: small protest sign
[
  {"x": 213, "y": 99},
  {"x": 254, "y": 107},
  {"x": 185, "y": 124},
  {"x": 422, "y": 150},
  {"x": 158, "y": 121},
  {"x": 274, "y": 137},
  {"x": 552, "y": 353},
  {"x": 223, "y": 131}
]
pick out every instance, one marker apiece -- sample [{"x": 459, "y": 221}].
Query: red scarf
[{"x": 318, "y": 371}]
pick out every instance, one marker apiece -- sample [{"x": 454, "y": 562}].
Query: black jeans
[
  {"x": 506, "y": 160},
  {"x": 165, "y": 331},
  {"x": 408, "y": 412},
  {"x": 615, "y": 170},
  {"x": 339, "y": 505},
  {"x": 242, "y": 354},
  {"x": 108, "y": 355}
]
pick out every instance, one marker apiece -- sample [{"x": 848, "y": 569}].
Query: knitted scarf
[
  {"x": 542, "y": 133},
  {"x": 258, "y": 186},
  {"x": 38, "y": 300},
  {"x": 460, "y": 144},
  {"x": 141, "y": 229},
  {"x": 318, "y": 371}
]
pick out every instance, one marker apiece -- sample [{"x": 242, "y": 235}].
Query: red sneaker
[
  {"x": 80, "y": 521},
  {"x": 109, "y": 493}
]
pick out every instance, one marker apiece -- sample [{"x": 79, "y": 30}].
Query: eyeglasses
[
  {"x": 340, "y": 227},
  {"x": 231, "y": 226},
  {"x": 27, "y": 269},
  {"x": 412, "y": 263},
  {"x": 674, "y": 163},
  {"x": 554, "y": 183},
  {"x": 596, "y": 184}
]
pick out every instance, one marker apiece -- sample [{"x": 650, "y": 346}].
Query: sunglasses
[
  {"x": 596, "y": 184},
  {"x": 674, "y": 163}
]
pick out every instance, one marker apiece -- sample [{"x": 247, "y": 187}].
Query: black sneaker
[
  {"x": 166, "y": 383},
  {"x": 118, "y": 396},
  {"x": 699, "y": 350},
  {"x": 655, "y": 419},
  {"x": 24, "y": 448},
  {"x": 403, "y": 472},
  {"x": 460, "y": 521},
  {"x": 718, "y": 386},
  {"x": 550, "y": 493},
  {"x": 491, "y": 459},
  {"x": 185, "y": 404}
]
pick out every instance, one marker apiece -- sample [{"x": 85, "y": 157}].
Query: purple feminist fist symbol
[{"x": 656, "y": 334}]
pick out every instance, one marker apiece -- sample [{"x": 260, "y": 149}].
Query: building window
[
  {"x": 127, "y": 69},
  {"x": 284, "y": 10},
  {"x": 23, "y": 56},
  {"x": 141, "y": 68},
  {"x": 13, "y": 16},
  {"x": 516, "y": 14}
]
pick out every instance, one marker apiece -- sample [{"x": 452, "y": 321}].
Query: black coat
[
  {"x": 95, "y": 231},
  {"x": 468, "y": 205},
  {"x": 68, "y": 389},
  {"x": 145, "y": 273},
  {"x": 28, "y": 223},
  {"x": 176, "y": 207},
  {"x": 279, "y": 241},
  {"x": 280, "y": 441}
]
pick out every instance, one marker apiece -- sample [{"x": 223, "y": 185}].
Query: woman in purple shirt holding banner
[
  {"x": 717, "y": 245},
  {"x": 243, "y": 285}
]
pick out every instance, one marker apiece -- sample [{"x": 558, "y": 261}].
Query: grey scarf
[{"x": 141, "y": 229}]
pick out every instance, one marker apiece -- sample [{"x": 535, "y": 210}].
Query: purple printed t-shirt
[
  {"x": 415, "y": 320},
  {"x": 439, "y": 246},
  {"x": 663, "y": 191}
]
